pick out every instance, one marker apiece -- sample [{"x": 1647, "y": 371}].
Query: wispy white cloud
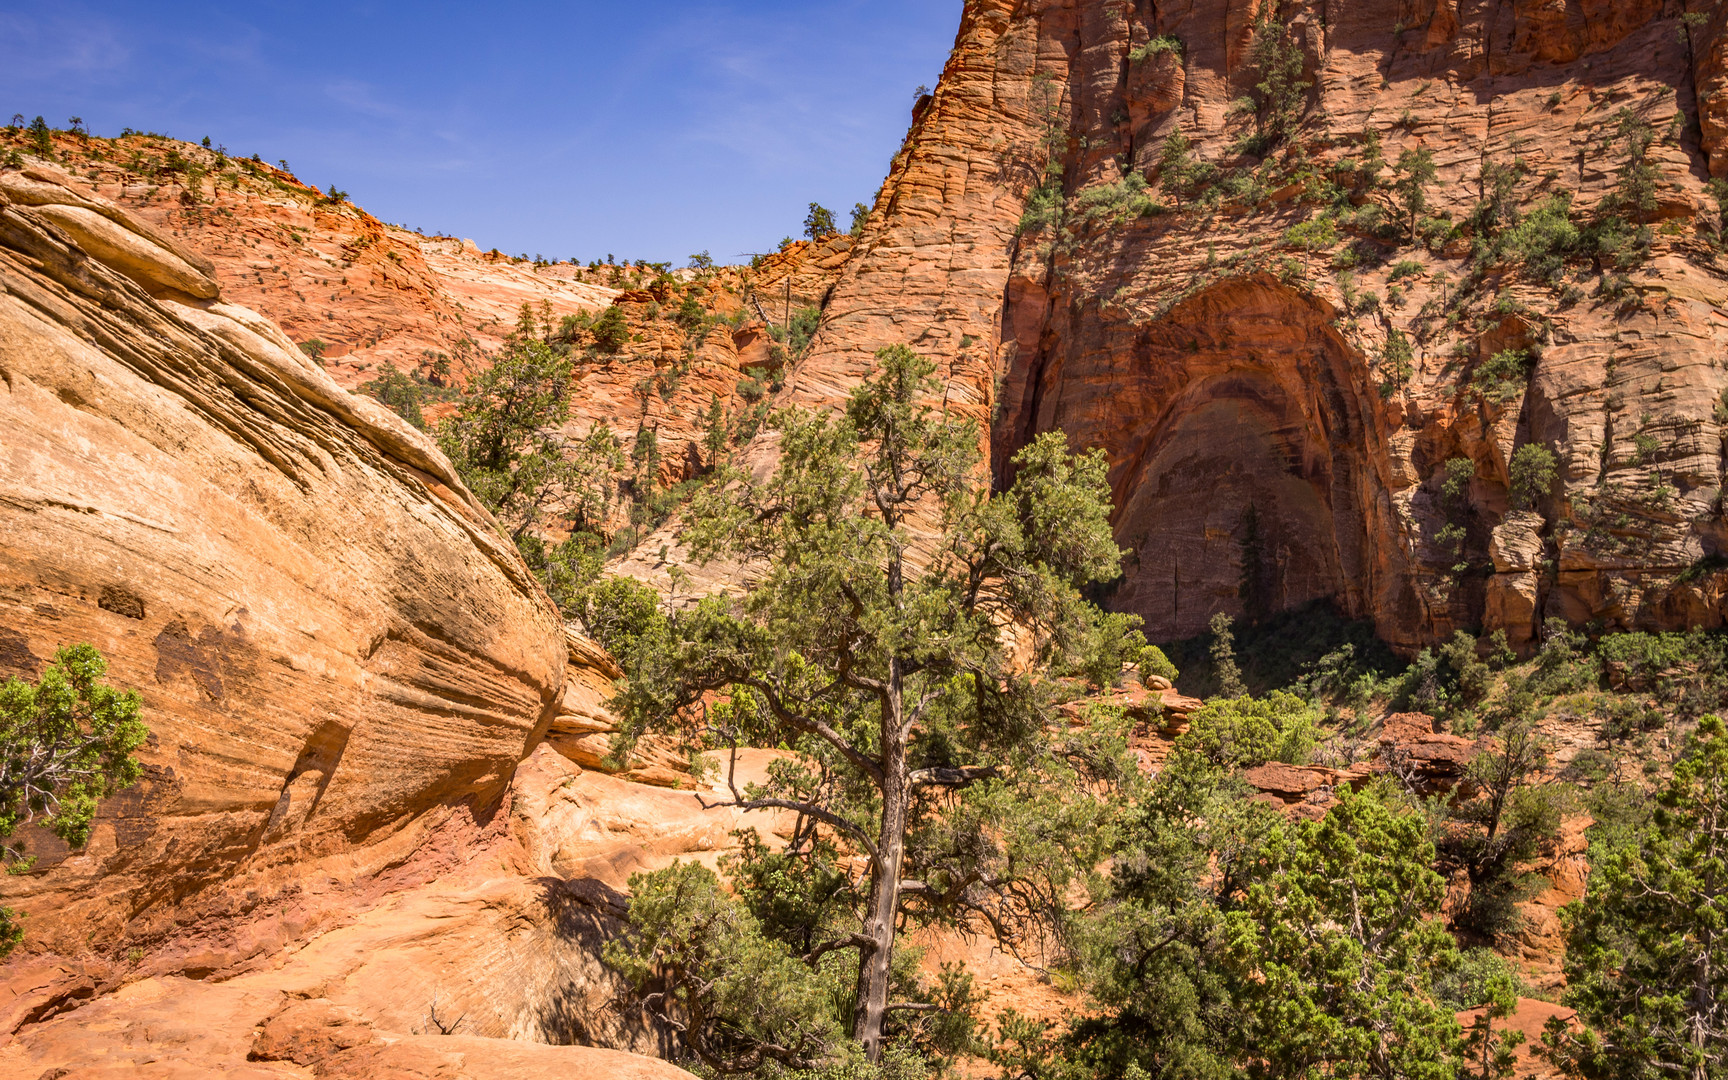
[{"x": 48, "y": 46}]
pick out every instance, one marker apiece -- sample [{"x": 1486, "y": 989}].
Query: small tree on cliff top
[{"x": 928, "y": 759}]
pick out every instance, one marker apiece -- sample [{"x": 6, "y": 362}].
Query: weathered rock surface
[
  {"x": 377, "y": 296},
  {"x": 1225, "y": 368},
  {"x": 584, "y": 727},
  {"x": 339, "y": 658},
  {"x": 499, "y": 948}
]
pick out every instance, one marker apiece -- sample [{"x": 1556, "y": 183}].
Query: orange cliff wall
[{"x": 1216, "y": 363}]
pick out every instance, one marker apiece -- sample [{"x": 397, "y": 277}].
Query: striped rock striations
[
  {"x": 340, "y": 660},
  {"x": 1265, "y": 450}
]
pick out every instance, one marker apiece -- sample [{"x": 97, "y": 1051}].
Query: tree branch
[
  {"x": 868, "y": 766},
  {"x": 953, "y": 777}
]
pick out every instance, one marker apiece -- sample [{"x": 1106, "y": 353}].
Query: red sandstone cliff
[{"x": 1222, "y": 366}]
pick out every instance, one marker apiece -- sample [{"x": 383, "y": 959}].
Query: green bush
[
  {"x": 1163, "y": 43},
  {"x": 754, "y": 385},
  {"x": 1154, "y": 662},
  {"x": 611, "y": 332},
  {"x": 805, "y": 322},
  {"x": 1465, "y": 984},
  {"x": 1397, "y": 360},
  {"x": 1243, "y": 732},
  {"x": 1546, "y": 237},
  {"x": 1318, "y": 233},
  {"x": 690, "y": 314},
  {"x": 406, "y": 393},
  {"x": 1405, "y": 268},
  {"x": 737, "y": 999},
  {"x": 819, "y": 222},
  {"x": 1116, "y": 203},
  {"x": 1044, "y": 206},
  {"x": 40, "y": 139},
  {"x": 1503, "y": 376},
  {"x": 66, "y": 743},
  {"x": 1534, "y": 470}
]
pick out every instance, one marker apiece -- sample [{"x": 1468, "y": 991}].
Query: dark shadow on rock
[{"x": 590, "y": 1005}]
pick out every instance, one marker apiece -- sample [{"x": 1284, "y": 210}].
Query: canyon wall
[
  {"x": 339, "y": 658},
  {"x": 1235, "y": 372}
]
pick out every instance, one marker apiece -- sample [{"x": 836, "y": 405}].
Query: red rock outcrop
[
  {"x": 339, "y": 657},
  {"x": 1225, "y": 367},
  {"x": 377, "y": 296}
]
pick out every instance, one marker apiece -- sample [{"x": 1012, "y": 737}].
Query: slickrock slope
[
  {"x": 375, "y": 297},
  {"x": 1225, "y": 366},
  {"x": 339, "y": 658},
  {"x": 490, "y": 971}
]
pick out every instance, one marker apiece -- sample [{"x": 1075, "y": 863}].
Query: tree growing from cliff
[
  {"x": 1647, "y": 947},
  {"x": 874, "y": 644},
  {"x": 506, "y": 441},
  {"x": 1412, "y": 175},
  {"x": 1533, "y": 472},
  {"x": 1281, "y": 93},
  {"x": 610, "y": 331},
  {"x": 819, "y": 222},
  {"x": 40, "y": 138},
  {"x": 66, "y": 743}
]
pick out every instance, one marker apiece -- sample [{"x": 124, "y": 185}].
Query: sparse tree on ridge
[{"x": 819, "y": 222}]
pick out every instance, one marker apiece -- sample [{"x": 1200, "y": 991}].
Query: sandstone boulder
[{"x": 338, "y": 654}]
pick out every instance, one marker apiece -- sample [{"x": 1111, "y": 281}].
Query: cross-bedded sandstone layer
[{"x": 339, "y": 657}]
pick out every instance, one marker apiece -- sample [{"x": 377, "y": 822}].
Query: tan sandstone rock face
[
  {"x": 338, "y": 656},
  {"x": 180, "y": 1029},
  {"x": 1223, "y": 368},
  {"x": 483, "y": 964},
  {"x": 378, "y": 296}
]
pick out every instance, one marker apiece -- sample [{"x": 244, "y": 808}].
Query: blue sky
[{"x": 574, "y": 129}]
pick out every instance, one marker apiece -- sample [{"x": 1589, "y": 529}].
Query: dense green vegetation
[
  {"x": 920, "y": 744},
  {"x": 1207, "y": 935},
  {"x": 66, "y": 743}
]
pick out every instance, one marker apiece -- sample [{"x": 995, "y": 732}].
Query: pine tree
[
  {"x": 819, "y": 222},
  {"x": 1224, "y": 668},
  {"x": 925, "y": 747},
  {"x": 66, "y": 743},
  {"x": 1647, "y": 947}
]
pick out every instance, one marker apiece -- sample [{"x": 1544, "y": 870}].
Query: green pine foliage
[
  {"x": 1337, "y": 944},
  {"x": 66, "y": 743},
  {"x": 611, "y": 332},
  {"x": 819, "y": 222},
  {"x": 924, "y": 745},
  {"x": 1647, "y": 947},
  {"x": 701, "y": 963},
  {"x": 507, "y": 444},
  {"x": 1534, "y": 470}
]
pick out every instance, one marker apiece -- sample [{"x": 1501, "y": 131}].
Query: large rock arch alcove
[{"x": 1243, "y": 452}]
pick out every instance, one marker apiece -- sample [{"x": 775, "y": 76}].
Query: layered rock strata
[
  {"x": 1237, "y": 373},
  {"x": 339, "y": 657}
]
